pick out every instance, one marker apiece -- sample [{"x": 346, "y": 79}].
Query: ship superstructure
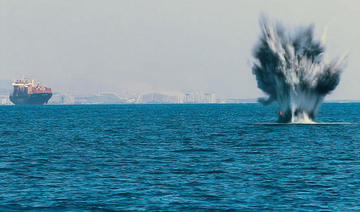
[{"x": 28, "y": 92}]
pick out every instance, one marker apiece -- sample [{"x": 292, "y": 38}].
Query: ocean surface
[{"x": 177, "y": 158}]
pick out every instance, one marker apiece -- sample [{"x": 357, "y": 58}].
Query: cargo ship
[{"x": 27, "y": 92}]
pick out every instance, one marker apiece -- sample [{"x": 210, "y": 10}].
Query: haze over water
[
  {"x": 128, "y": 47},
  {"x": 177, "y": 158}
]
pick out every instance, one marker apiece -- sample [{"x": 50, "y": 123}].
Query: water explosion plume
[{"x": 291, "y": 70}]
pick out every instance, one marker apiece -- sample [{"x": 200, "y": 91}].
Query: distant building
[
  {"x": 189, "y": 98},
  {"x": 210, "y": 98},
  {"x": 5, "y": 100},
  {"x": 199, "y": 97},
  {"x": 236, "y": 101},
  {"x": 158, "y": 98}
]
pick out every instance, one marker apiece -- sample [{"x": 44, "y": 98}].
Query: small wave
[
  {"x": 214, "y": 172},
  {"x": 193, "y": 150}
]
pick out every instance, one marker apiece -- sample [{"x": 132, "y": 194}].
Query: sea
[{"x": 196, "y": 157}]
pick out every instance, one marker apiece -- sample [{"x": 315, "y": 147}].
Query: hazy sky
[{"x": 133, "y": 46}]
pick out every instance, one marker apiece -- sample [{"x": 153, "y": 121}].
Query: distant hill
[{"x": 105, "y": 98}]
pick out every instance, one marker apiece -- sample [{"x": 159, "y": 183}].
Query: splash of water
[{"x": 290, "y": 68}]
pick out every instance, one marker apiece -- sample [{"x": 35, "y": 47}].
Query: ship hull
[{"x": 31, "y": 99}]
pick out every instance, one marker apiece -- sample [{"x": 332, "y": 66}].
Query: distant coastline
[
  {"x": 5, "y": 103},
  {"x": 181, "y": 97}
]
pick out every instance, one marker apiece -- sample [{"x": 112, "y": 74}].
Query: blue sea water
[{"x": 177, "y": 158}]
